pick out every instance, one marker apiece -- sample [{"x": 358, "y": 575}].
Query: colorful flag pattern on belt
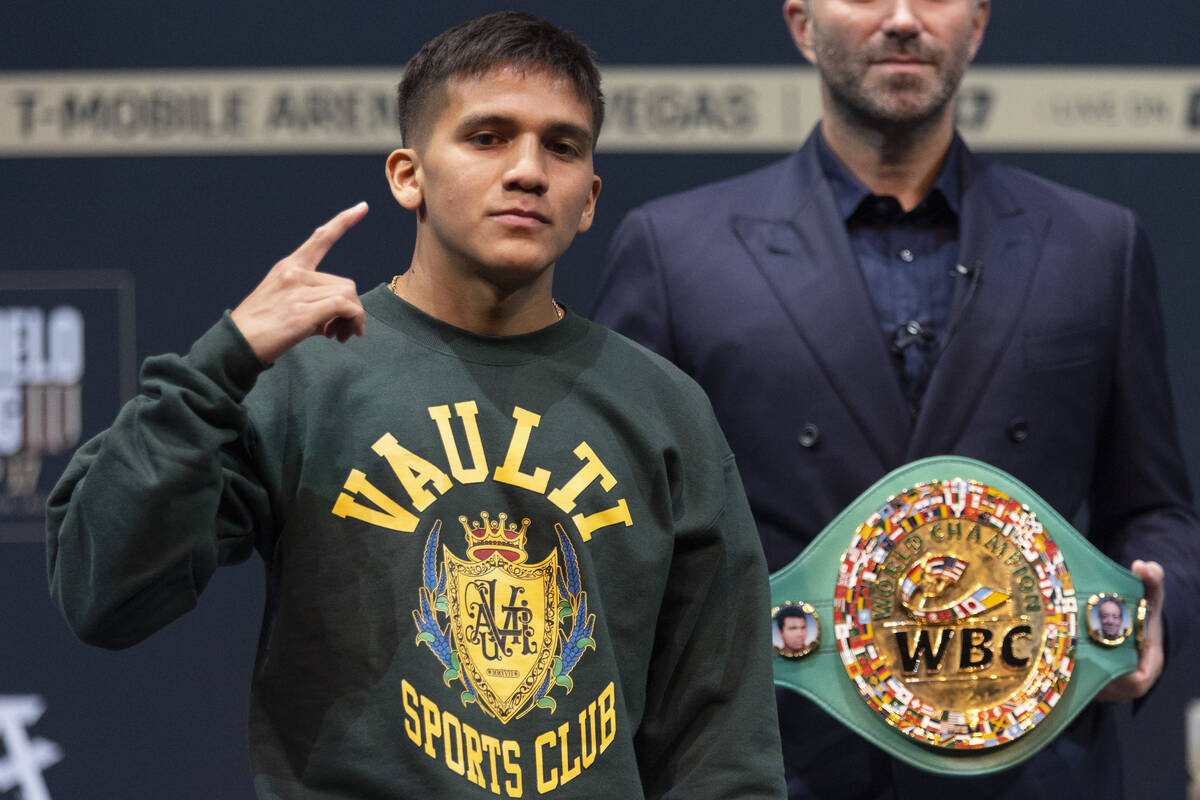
[{"x": 952, "y": 589}]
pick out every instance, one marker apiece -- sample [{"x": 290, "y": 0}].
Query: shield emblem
[{"x": 505, "y": 632}]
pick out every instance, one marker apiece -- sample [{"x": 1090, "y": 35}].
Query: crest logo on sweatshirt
[{"x": 507, "y": 630}]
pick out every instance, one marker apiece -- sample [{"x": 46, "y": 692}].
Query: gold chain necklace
[{"x": 558, "y": 310}]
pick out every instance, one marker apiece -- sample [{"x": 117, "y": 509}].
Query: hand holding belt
[{"x": 940, "y": 617}]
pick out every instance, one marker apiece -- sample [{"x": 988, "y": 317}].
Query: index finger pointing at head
[{"x": 316, "y": 246}]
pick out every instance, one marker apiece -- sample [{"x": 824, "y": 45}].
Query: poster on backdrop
[{"x": 66, "y": 365}]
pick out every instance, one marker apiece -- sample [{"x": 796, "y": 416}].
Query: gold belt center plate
[{"x": 954, "y": 614}]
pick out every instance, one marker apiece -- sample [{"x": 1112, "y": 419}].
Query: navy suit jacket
[{"x": 1051, "y": 369}]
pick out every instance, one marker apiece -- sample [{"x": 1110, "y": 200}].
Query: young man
[
  {"x": 885, "y": 294},
  {"x": 508, "y": 553}
]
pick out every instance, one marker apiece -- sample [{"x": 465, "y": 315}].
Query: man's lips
[
  {"x": 901, "y": 63},
  {"x": 520, "y": 217}
]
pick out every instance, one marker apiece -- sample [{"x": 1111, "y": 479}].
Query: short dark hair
[
  {"x": 506, "y": 38},
  {"x": 789, "y": 611}
]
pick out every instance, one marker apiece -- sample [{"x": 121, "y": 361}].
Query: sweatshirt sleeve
[
  {"x": 710, "y": 729},
  {"x": 146, "y": 510}
]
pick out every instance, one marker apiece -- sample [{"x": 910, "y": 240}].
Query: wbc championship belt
[{"x": 953, "y": 618}]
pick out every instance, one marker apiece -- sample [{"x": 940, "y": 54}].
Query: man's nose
[
  {"x": 527, "y": 168},
  {"x": 901, "y": 20}
]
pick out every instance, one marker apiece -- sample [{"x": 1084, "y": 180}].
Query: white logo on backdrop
[
  {"x": 25, "y": 759},
  {"x": 41, "y": 364},
  {"x": 41, "y": 369}
]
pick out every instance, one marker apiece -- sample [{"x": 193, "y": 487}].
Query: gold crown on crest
[{"x": 494, "y": 536}]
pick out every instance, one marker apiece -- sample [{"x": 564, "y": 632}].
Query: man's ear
[
  {"x": 983, "y": 9},
  {"x": 404, "y": 177},
  {"x": 799, "y": 23},
  {"x": 589, "y": 210}
]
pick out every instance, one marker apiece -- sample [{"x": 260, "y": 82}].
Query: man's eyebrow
[
  {"x": 569, "y": 130},
  {"x": 486, "y": 121},
  {"x": 504, "y": 122}
]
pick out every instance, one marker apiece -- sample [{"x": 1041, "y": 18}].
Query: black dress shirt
[{"x": 908, "y": 262}]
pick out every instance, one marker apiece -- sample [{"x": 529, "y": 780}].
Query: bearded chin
[{"x": 906, "y": 103}]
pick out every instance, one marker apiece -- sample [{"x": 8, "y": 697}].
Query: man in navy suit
[{"x": 885, "y": 294}]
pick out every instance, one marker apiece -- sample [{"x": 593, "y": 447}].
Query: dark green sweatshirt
[{"x": 509, "y": 567}]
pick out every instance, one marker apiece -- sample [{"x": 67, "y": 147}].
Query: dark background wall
[{"x": 167, "y": 718}]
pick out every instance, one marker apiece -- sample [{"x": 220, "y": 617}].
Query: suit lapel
[
  {"x": 801, "y": 249},
  {"x": 999, "y": 242}
]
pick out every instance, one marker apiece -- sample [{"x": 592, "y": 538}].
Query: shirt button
[
  {"x": 906, "y": 255},
  {"x": 810, "y": 435},
  {"x": 1018, "y": 430}
]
